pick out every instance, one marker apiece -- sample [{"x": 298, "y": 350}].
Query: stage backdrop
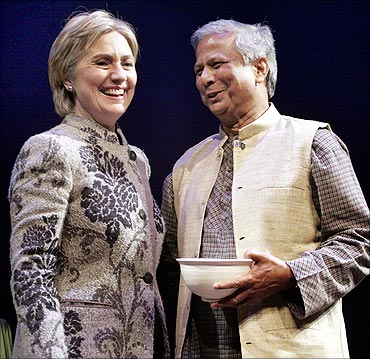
[{"x": 323, "y": 57}]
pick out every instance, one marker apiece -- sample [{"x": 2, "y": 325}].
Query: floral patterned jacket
[{"x": 85, "y": 244}]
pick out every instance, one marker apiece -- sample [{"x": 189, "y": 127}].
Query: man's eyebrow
[{"x": 197, "y": 67}]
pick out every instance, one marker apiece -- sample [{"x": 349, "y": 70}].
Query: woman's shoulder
[{"x": 61, "y": 133}]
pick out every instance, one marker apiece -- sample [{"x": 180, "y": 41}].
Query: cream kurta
[
  {"x": 272, "y": 211},
  {"x": 85, "y": 244}
]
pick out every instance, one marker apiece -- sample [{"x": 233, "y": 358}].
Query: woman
[{"x": 86, "y": 231}]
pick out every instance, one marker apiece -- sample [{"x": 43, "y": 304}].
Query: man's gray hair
[{"x": 252, "y": 41}]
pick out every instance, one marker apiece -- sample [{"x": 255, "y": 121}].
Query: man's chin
[{"x": 217, "y": 110}]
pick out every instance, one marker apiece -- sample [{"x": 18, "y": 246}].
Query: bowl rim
[{"x": 213, "y": 261}]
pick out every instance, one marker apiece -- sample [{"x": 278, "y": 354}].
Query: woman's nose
[{"x": 118, "y": 74}]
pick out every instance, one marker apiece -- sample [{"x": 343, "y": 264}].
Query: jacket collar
[{"x": 94, "y": 128}]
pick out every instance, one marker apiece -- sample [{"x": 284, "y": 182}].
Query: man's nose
[{"x": 207, "y": 77}]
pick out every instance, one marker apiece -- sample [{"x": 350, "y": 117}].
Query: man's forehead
[
  {"x": 217, "y": 38},
  {"x": 215, "y": 45}
]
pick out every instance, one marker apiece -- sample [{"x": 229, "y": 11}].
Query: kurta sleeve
[
  {"x": 168, "y": 268},
  {"x": 38, "y": 195},
  {"x": 168, "y": 272},
  {"x": 342, "y": 259}
]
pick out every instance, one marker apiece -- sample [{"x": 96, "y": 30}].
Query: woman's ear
[{"x": 68, "y": 86}]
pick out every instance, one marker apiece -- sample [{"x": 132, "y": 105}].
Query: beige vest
[{"x": 272, "y": 211}]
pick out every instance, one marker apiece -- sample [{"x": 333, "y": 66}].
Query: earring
[{"x": 70, "y": 88}]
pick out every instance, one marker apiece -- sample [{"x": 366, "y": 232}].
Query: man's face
[{"x": 225, "y": 83}]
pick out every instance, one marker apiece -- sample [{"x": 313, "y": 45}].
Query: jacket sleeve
[
  {"x": 38, "y": 195},
  {"x": 342, "y": 260}
]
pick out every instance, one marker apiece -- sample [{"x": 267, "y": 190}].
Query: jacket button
[
  {"x": 148, "y": 278},
  {"x": 142, "y": 214},
  {"x": 132, "y": 155}
]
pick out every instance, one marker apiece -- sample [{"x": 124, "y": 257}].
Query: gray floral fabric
[{"x": 85, "y": 245}]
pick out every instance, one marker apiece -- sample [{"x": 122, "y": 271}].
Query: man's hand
[{"x": 267, "y": 276}]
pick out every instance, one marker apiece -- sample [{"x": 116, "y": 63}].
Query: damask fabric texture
[{"x": 85, "y": 244}]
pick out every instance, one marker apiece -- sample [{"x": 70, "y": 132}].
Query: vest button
[
  {"x": 132, "y": 155},
  {"x": 148, "y": 278}
]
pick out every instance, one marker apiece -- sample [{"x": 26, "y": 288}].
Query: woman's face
[{"x": 104, "y": 80}]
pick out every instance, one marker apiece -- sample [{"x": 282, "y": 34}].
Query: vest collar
[{"x": 263, "y": 123}]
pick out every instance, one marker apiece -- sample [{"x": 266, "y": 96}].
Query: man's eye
[
  {"x": 198, "y": 72},
  {"x": 217, "y": 64}
]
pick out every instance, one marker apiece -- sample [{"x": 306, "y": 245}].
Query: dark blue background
[{"x": 323, "y": 57}]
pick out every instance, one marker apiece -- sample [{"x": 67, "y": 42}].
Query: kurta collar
[{"x": 263, "y": 123}]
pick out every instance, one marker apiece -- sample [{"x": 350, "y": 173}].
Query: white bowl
[{"x": 201, "y": 273}]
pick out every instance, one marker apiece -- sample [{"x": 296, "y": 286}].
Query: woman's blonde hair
[{"x": 79, "y": 33}]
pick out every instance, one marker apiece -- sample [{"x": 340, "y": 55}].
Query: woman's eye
[
  {"x": 102, "y": 63},
  {"x": 127, "y": 64}
]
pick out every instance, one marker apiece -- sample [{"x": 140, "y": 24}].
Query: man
[{"x": 279, "y": 190}]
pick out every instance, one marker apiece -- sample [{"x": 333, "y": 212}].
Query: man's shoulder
[
  {"x": 302, "y": 122},
  {"x": 202, "y": 148}
]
